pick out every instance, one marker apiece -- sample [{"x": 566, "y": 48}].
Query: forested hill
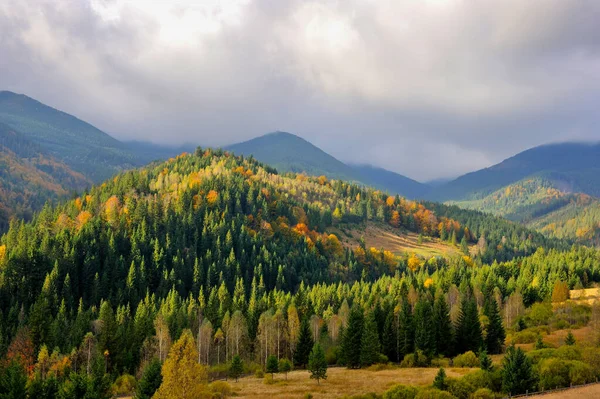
[
  {"x": 224, "y": 246},
  {"x": 29, "y": 177}
]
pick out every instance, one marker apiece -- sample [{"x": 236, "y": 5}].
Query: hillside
[
  {"x": 571, "y": 167},
  {"x": 290, "y": 153},
  {"x": 29, "y": 177}
]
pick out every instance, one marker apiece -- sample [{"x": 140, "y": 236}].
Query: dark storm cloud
[{"x": 427, "y": 88}]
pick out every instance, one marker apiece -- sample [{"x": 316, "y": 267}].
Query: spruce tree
[
  {"x": 496, "y": 335},
  {"x": 237, "y": 368},
  {"x": 390, "y": 338},
  {"x": 444, "y": 337},
  {"x": 304, "y": 345},
  {"x": 440, "y": 380},
  {"x": 570, "y": 339},
  {"x": 285, "y": 366},
  {"x": 272, "y": 365},
  {"x": 352, "y": 340},
  {"x": 517, "y": 372},
  {"x": 485, "y": 362},
  {"x": 369, "y": 347},
  {"x": 406, "y": 332},
  {"x": 317, "y": 364},
  {"x": 424, "y": 328},
  {"x": 468, "y": 331},
  {"x": 150, "y": 381}
]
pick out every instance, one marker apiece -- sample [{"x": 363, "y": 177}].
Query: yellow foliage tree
[
  {"x": 414, "y": 262},
  {"x": 182, "y": 376}
]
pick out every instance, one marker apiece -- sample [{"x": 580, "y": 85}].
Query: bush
[
  {"x": 417, "y": 359},
  {"x": 483, "y": 393},
  {"x": 331, "y": 355},
  {"x": 440, "y": 362},
  {"x": 553, "y": 373},
  {"x": 124, "y": 385},
  {"x": 480, "y": 379},
  {"x": 591, "y": 356},
  {"x": 382, "y": 366},
  {"x": 568, "y": 352},
  {"x": 259, "y": 373},
  {"x": 580, "y": 373},
  {"x": 220, "y": 389},
  {"x": 524, "y": 337},
  {"x": 460, "y": 388},
  {"x": 432, "y": 393},
  {"x": 540, "y": 313},
  {"x": 537, "y": 356},
  {"x": 467, "y": 359},
  {"x": 401, "y": 392}
]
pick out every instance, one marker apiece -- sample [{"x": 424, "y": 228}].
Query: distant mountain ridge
[{"x": 290, "y": 153}]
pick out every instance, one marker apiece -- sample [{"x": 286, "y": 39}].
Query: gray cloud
[{"x": 429, "y": 89}]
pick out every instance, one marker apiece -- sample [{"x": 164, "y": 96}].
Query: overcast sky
[{"x": 425, "y": 88}]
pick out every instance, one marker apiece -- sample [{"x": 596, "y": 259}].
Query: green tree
[
  {"x": 406, "y": 331},
  {"x": 285, "y": 366},
  {"x": 352, "y": 339},
  {"x": 272, "y": 365},
  {"x": 485, "y": 361},
  {"x": 236, "y": 368},
  {"x": 517, "y": 372},
  {"x": 369, "y": 344},
  {"x": 440, "y": 380},
  {"x": 496, "y": 335},
  {"x": 570, "y": 339},
  {"x": 304, "y": 345},
  {"x": 444, "y": 337},
  {"x": 317, "y": 365},
  {"x": 150, "y": 380},
  {"x": 13, "y": 381},
  {"x": 424, "y": 328},
  {"x": 468, "y": 331}
]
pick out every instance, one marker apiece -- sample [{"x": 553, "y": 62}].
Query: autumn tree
[{"x": 183, "y": 377}]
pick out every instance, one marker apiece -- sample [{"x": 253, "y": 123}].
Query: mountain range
[{"x": 46, "y": 154}]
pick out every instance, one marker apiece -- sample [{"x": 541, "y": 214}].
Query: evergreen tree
[
  {"x": 317, "y": 365},
  {"x": 440, "y": 380},
  {"x": 13, "y": 381},
  {"x": 485, "y": 362},
  {"x": 352, "y": 339},
  {"x": 424, "y": 328},
  {"x": 390, "y": 338},
  {"x": 406, "y": 332},
  {"x": 517, "y": 372},
  {"x": 444, "y": 337},
  {"x": 150, "y": 380},
  {"x": 285, "y": 366},
  {"x": 468, "y": 330},
  {"x": 369, "y": 347},
  {"x": 570, "y": 339},
  {"x": 304, "y": 345},
  {"x": 236, "y": 368},
  {"x": 495, "y": 330},
  {"x": 272, "y": 365}
]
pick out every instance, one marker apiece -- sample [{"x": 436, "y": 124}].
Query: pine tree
[
  {"x": 517, "y": 372},
  {"x": 304, "y": 345},
  {"x": 570, "y": 339},
  {"x": 272, "y": 365},
  {"x": 406, "y": 332},
  {"x": 390, "y": 338},
  {"x": 236, "y": 368},
  {"x": 468, "y": 331},
  {"x": 352, "y": 339},
  {"x": 424, "y": 328},
  {"x": 444, "y": 337},
  {"x": 317, "y": 365},
  {"x": 496, "y": 335},
  {"x": 150, "y": 381},
  {"x": 285, "y": 366},
  {"x": 440, "y": 380},
  {"x": 485, "y": 362},
  {"x": 369, "y": 346}
]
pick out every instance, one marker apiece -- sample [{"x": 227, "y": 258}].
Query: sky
[{"x": 426, "y": 88}]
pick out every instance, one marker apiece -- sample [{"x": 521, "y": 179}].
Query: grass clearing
[
  {"x": 340, "y": 381},
  {"x": 591, "y": 391}
]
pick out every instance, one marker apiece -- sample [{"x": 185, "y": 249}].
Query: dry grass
[
  {"x": 382, "y": 236},
  {"x": 340, "y": 382},
  {"x": 592, "y": 391},
  {"x": 589, "y": 295}
]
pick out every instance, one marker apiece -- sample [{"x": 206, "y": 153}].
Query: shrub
[
  {"x": 220, "y": 389},
  {"x": 467, "y": 359},
  {"x": 538, "y": 355},
  {"x": 308, "y": 396},
  {"x": 268, "y": 380},
  {"x": 440, "y": 362},
  {"x": 568, "y": 352},
  {"x": 591, "y": 356},
  {"x": 417, "y": 359},
  {"x": 483, "y": 393},
  {"x": 480, "y": 379},
  {"x": 259, "y": 373},
  {"x": 524, "y": 337},
  {"x": 580, "y": 373},
  {"x": 553, "y": 373},
  {"x": 433, "y": 393},
  {"x": 540, "y": 313},
  {"x": 401, "y": 392},
  {"x": 331, "y": 355},
  {"x": 124, "y": 385},
  {"x": 460, "y": 388}
]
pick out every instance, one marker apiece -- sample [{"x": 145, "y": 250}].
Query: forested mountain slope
[
  {"x": 29, "y": 177},
  {"x": 290, "y": 153},
  {"x": 222, "y": 252}
]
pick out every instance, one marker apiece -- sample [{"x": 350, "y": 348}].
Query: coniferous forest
[{"x": 167, "y": 278}]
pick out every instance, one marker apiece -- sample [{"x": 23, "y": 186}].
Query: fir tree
[
  {"x": 285, "y": 366},
  {"x": 390, "y": 338},
  {"x": 517, "y": 372},
  {"x": 485, "y": 362},
  {"x": 495, "y": 336},
  {"x": 440, "y": 380},
  {"x": 236, "y": 368},
  {"x": 272, "y": 365},
  {"x": 317, "y": 365},
  {"x": 369, "y": 346},
  {"x": 352, "y": 340},
  {"x": 468, "y": 331},
  {"x": 150, "y": 381},
  {"x": 444, "y": 338},
  {"x": 424, "y": 328},
  {"x": 304, "y": 345},
  {"x": 570, "y": 339},
  {"x": 406, "y": 332}
]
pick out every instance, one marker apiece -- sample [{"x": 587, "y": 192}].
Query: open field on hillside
[
  {"x": 381, "y": 236},
  {"x": 340, "y": 382}
]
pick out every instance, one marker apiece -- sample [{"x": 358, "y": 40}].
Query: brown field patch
[
  {"x": 340, "y": 381},
  {"x": 591, "y": 391},
  {"x": 399, "y": 242}
]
